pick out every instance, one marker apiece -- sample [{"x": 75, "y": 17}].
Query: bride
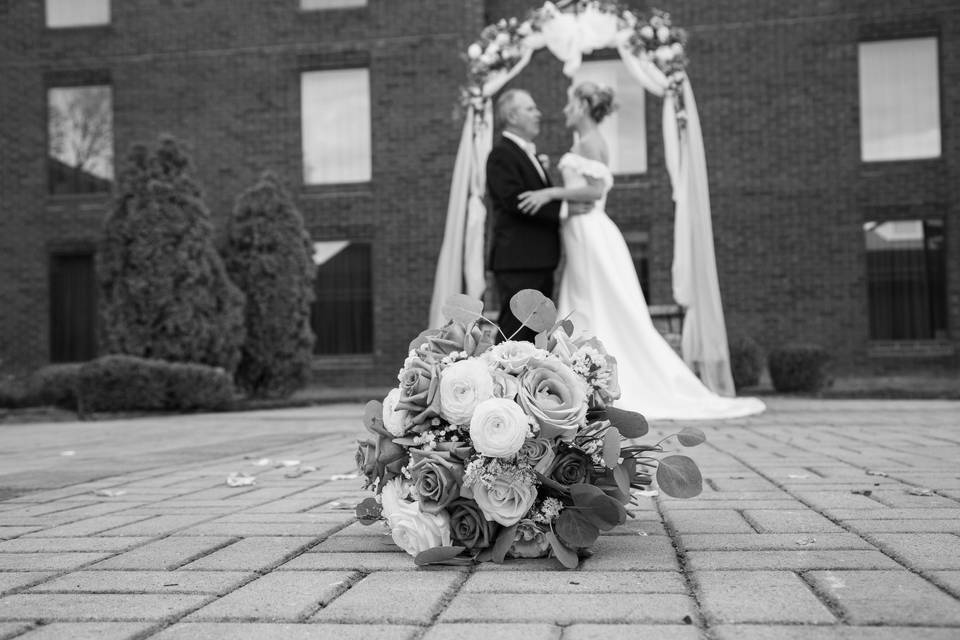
[{"x": 599, "y": 283}]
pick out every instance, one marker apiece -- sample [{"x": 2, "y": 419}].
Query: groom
[{"x": 525, "y": 249}]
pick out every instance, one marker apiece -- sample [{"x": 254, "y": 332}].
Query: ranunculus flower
[
  {"x": 395, "y": 420},
  {"x": 412, "y": 530},
  {"x": 513, "y": 355},
  {"x": 419, "y": 383},
  {"x": 677, "y": 48},
  {"x": 663, "y": 53},
  {"x": 646, "y": 32},
  {"x": 570, "y": 467},
  {"x": 463, "y": 385},
  {"x": 498, "y": 428},
  {"x": 539, "y": 453},
  {"x": 556, "y": 396},
  {"x": 474, "y": 51},
  {"x": 503, "y": 38},
  {"x": 507, "y": 499},
  {"x": 530, "y": 541},
  {"x": 469, "y": 527},
  {"x": 663, "y": 34},
  {"x": 437, "y": 478}
]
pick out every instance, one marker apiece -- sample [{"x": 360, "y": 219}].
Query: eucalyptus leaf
[
  {"x": 462, "y": 308},
  {"x": 486, "y": 555},
  {"x": 542, "y": 341},
  {"x": 691, "y": 437},
  {"x": 576, "y": 528},
  {"x": 422, "y": 339},
  {"x": 611, "y": 448},
  {"x": 679, "y": 477},
  {"x": 503, "y": 543},
  {"x": 622, "y": 476},
  {"x": 533, "y": 309},
  {"x": 368, "y": 511},
  {"x": 605, "y": 512},
  {"x": 582, "y": 493},
  {"x": 439, "y": 555},
  {"x": 630, "y": 424},
  {"x": 565, "y": 555}
]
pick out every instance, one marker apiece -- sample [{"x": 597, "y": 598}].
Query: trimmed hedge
[
  {"x": 798, "y": 367},
  {"x": 128, "y": 383},
  {"x": 746, "y": 362},
  {"x": 56, "y": 384},
  {"x": 165, "y": 293},
  {"x": 268, "y": 254}
]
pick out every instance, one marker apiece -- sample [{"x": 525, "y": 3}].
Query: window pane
[
  {"x": 342, "y": 315},
  {"x": 308, "y": 5},
  {"x": 906, "y": 276},
  {"x": 899, "y": 100},
  {"x": 335, "y": 116},
  {"x": 625, "y": 129},
  {"x": 77, "y": 13},
  {"x": 80, "y": 139}
]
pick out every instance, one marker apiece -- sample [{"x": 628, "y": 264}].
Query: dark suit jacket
[{"x": 520, "y": 241}]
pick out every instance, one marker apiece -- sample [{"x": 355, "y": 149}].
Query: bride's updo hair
[{"x": 598, "y": 98}]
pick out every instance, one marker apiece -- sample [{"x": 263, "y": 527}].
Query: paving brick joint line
[{"x": 790, "y": 536}]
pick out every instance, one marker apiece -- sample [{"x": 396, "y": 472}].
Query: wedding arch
[{"x": 653, "y": 51}]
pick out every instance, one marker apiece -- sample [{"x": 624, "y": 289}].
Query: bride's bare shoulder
[{"x": 592, "y": 147}]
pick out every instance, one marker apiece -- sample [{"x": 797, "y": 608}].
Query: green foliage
[
  {"x": 798, "y": 367},
  {"x": 746, "y": 362},
  {"x": 56, "y": 385},
  {"x": 164, "y": 291},
  {"x": 15, "y": 393},
  {"x": 128, "y": 383},
  {"x": 269, "y": 256}
]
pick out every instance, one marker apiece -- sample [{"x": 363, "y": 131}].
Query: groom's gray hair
[{"x": 505, "y": 103}]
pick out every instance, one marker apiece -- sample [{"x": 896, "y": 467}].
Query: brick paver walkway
[{"x": 836, "y": 519}]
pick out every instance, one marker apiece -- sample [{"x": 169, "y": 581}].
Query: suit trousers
[{"x": 508, "y": 284}]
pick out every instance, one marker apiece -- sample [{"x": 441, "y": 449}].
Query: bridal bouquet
[{"x": 490, "y": 451}]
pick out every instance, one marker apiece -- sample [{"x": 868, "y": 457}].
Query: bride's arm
[{"x": 531, "y": 201}]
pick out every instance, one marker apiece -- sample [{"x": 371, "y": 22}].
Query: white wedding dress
[{"x": 599, "y": 286}]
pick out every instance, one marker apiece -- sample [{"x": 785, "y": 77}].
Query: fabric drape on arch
[{"x": 696, "y": 287}]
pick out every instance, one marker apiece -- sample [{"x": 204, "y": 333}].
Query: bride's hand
[{"x": 531, "y": 201}]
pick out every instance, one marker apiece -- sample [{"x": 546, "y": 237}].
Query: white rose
[
  {"x": 413, "y": 530},
  {"x": 524, "y": 29},
  {"x": 677, "y": 49},
  {"x": 664, "y": 53},
  {"x": 513, "y": 355},
  {"x": 474, "y": 51},
  {"x": 487, "y": 59},
  {"x": 464, "y": 385},
  {"x": 663, "y": 34},
  {"x": 394, "y": 420},
  {"x": 498, "y": 428},
  {"x": 503, "y": 39},
  {"x": 646, "y": 31}
]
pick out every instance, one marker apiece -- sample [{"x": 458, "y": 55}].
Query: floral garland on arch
[
  {"x": 485, "y": 452},
  {"x": 501, "y": 45}
]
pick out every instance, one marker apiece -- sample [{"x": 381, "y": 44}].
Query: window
[
  {"x": 335, "y": 120},
  {"x": 342, "y": 314},
  {"x": 899, "y": 100},
  {"x": 77, "y": 13},
  {"x": 73, "y": 307},
  {"x": 80, "y": 139},
  {"x": 625, "y": 129},
  {"x": 906, "y": 279},
  {"x": 311, "y": 5}
]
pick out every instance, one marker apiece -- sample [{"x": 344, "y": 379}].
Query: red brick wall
[{"x": 776, "y": 86}]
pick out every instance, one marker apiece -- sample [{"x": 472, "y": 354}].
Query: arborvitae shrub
[
  {"x": 128, "y": 383},
  {"x": 798, "y": 367},
  {"x": 746, "y": 361},
  {"x": 268, "y": 255},
  {"x": 164, "y": 291}
]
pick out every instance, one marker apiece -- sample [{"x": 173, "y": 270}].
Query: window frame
[
  {"x": 69, "y": 27},
  {"x": 887, "y": 37}
]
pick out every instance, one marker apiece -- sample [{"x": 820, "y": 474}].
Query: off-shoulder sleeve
[{"x": 589, "y": 168}]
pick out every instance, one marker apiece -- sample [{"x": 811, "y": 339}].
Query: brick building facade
[{"x": 778, "y": 95}]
